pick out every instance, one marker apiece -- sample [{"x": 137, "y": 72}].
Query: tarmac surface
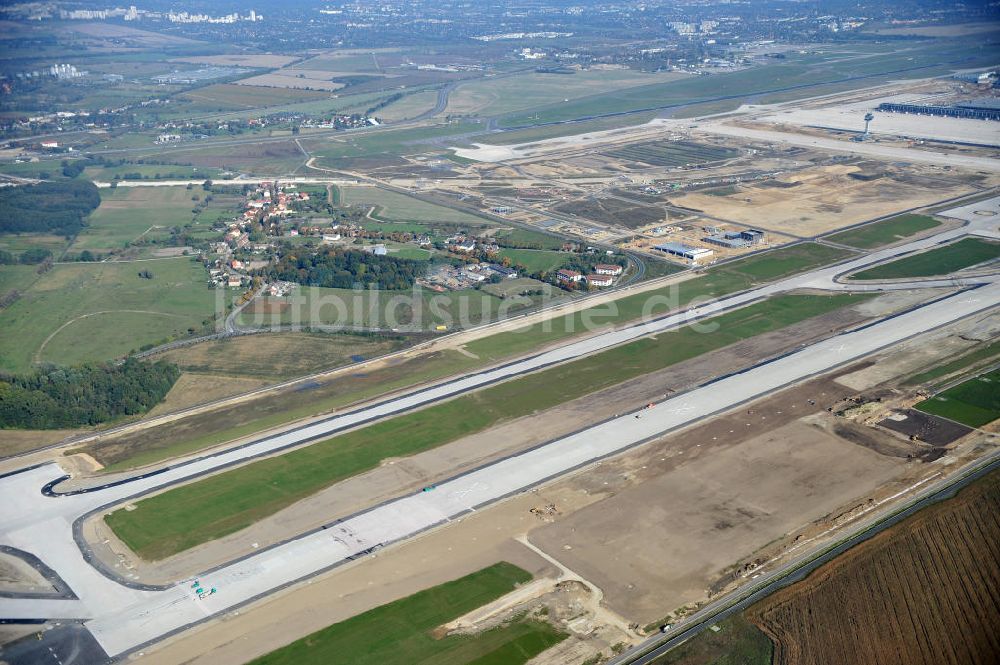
[{"x": 121, "y": 615}]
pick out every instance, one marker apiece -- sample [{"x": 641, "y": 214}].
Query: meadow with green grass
[
  {"x": 933, "y": 262},
  {"x": 536, "y": 260},
  {"x": 975, "y": 402},
  {"x": 395, "y": 207},
  {"x": 158, "y": 527},
  {"x": 497, "y": 96},
  {"x": 97, "y": 311},
  {"x": 409, "y": 624},
  {"x": 419, "y": 309},
  {"x": 127, "y": 214},
  {"x": 885, "y": 232},
  {"x": 733, "y": 641},
  {"x": 528, "y": 239},
  {"x": 337, "y": 152}
]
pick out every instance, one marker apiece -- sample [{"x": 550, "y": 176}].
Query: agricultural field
[
  {"x": 230, "y": 96},
  {"x": 497, "y": 96},
  {"x": 266, "y": 159},
  {"x": 393, "y": 207},
  {"x": 301, "y": 79},
  {"x": 939, "y": 261},
  {"x": 98, "y": 311},
  {"x": 278, "y": 356},
  {"x": 344, "y": 61},
  {"x": 923, "y": 591},
  {"x": 412, "y": 622},
  {"x": 157, "y": 526},
  {"x": 975, "y": 402},
  {"x": 673, "y": 153},
  {"x": 251, "y": 60},
  {"x": 885, "y": 232}
]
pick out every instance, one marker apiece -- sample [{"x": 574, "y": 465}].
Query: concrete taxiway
[{"x": 122, "y": 615}]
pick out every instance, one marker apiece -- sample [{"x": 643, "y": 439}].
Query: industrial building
[
  {"x": 736, "y": 239},
  {"x": 693, "y": 254}
]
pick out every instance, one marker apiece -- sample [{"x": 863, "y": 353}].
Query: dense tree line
[
  {"x": 343, "y": 269},
  {"x": 48, "y": 207},
  {"x": 58, "y": 397}
]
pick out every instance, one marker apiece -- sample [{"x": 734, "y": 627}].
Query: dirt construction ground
[
  {"x": 722, "y": 488},
  {"x": 817, "y": 200}
]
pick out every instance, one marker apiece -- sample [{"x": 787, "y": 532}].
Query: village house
[
  {"x": 599, "y": 280},
  {"x": 567, "y": 275}
]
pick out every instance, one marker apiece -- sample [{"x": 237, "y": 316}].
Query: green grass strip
[
  {"x": 401, "y": 632},
  {"x": 941, "y": 261},
  {"x": 975, "y": 402},
  {"x": 887, "y": 231},
  {"x": 162, "y": 525},
  {"x": 983, "y": 352}
]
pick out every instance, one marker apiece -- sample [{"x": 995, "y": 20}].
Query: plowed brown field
[{"x": 926, "y": 591}]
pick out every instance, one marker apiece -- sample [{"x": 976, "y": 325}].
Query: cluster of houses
[
  {"x": 269, "y": 203},
  {"x": 266, "y": 205},
  {"x": 604, "y": 275},
  {"x": 464, "y": 244}
]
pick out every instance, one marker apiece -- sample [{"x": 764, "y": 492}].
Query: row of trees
[
  {"x": 343, "y": 269},
  {"x": 58, "y": 397},
  {"x": 48, "y": 207}
]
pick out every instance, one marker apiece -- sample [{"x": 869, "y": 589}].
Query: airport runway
[{"x": 122, "y": 615}]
